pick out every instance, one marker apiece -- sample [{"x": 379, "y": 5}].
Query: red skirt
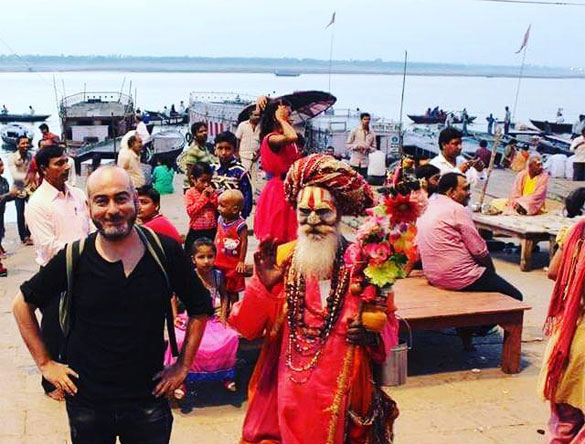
[{"x": 275, "y": 217}]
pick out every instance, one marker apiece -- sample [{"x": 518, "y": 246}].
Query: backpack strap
[
  {"x": 155, "y": 249},
  {"x": 73, "y": 251}
]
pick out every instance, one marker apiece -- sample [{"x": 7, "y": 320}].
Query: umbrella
[{"x": 304, "y": 104}]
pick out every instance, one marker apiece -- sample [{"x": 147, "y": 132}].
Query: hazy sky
[{"x": 453, "y": 31}]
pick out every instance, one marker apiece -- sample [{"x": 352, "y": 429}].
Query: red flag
[
  {"x": 332, "y": 21},
  {"x": 525, "y": 40}
]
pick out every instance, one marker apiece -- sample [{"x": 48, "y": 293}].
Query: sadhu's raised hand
[{"x": 267, "y": 269}]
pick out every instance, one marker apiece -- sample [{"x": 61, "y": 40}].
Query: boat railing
[
  {"x": 97, "y": 97},
  {"x": 87, "y": 147},
  {"x": 221, "y": 97}
]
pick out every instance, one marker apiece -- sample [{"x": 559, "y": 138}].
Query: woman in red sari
[
  {"x": 275, "y": 217},
  {"x": 562, "y": 378}
]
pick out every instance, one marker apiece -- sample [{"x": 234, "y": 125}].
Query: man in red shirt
[
  {"x": 149, "y": 213},
  {"x": 48, "y": 137}
]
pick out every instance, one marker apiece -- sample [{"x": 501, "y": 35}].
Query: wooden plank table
[
  {"x": 425, "y": 307},
  {"x": 529, "y": 229}
]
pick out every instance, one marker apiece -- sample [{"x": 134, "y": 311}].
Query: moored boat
[
  {"x": 5, "y": 118},
  {"x": 551, "y": 127},
  {"x": 420, "y": 119},
  {"x": 11, "y": 132},
  {"x": 161, "y": 119},
  {"x": 278, "y": 73}
]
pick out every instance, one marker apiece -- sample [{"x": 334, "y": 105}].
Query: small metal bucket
[{"x": 395, "y": 369}]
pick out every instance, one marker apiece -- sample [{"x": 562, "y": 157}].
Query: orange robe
[
  {"x": 281, "y": 411},
  {"x": 533, "y": 201}
]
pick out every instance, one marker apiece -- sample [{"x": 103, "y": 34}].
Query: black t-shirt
[{"x": 116, "y": 343}]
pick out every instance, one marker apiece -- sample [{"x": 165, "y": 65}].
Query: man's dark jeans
[
  {"x": 23, "y": 232},
  {"x": 489, "y": 281},
  {"x": 146, "y": 422}
]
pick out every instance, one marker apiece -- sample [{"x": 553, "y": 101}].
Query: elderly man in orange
[
  {"x": 529, "y": 191},
  {"x": 309, "y": 386}
]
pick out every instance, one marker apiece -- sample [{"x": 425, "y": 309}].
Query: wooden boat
[
  {"x": 11, "y": 132},
  {"x": 551, "y": 127},
  {"x": 418, "y": 119},
  {"x": 5, "y": 118}
]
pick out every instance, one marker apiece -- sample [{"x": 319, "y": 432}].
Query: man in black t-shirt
[{"x": 114, "y": 377}]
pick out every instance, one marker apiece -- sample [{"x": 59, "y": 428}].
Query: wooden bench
[
  {"x": 425, "y": 307},
  {"x": 529, "y": 229}
]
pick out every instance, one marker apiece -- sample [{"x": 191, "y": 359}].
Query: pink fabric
[
  {"x": 275, "y": 217},
  {"x": 161, "y": 225},
  {"x": 566, "y": 425},
  {"x": 532, "y": 203},
  {"x": 448, "y": 241},
  {"x": 217, "y": 350},
  {"x": 280, "y": 409}
]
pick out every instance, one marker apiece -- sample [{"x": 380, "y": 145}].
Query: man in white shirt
[
  {"x": 248, "y": 135},
  {"x": 56, "y": 214},
  {"x": 19, "y": 166},
  {"x": 129, "y": 159},
  {"x": 507, "y": 120},
  {"x": 182, "y": 109},
  {"x": 450, "y": 160},
  {"x": 377, "y": 168},
  {"x": 578, "y": 147},
  {"x": 361, "y": 142},
  {"x": 142, "y": 130}
]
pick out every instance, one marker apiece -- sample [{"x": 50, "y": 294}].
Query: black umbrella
[{"x": 304, "y": 104}]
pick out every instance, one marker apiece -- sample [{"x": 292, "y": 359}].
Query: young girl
[
  {"x": 201, "y": 205},
  {"x": 216, "y": 358}
]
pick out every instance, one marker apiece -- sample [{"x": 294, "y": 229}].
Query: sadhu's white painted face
[{"x": 317, "y": 213}]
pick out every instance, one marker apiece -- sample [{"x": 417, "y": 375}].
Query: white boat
[{"x": 11, "y": 133}]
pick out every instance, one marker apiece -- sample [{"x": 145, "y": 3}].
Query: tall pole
[
  {"x": 519, "y": 81},
  {"x": 403, "y": 85},
  {"x": 401, "y": 132},
  {"x": 331, "y": 55}
]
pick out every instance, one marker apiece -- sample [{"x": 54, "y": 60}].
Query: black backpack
[{"x": 154, "y": 247}]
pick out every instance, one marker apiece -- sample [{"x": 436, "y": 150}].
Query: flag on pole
[
  {"x": 332, "y": 21},
  {"x": 525, "y": 40}
]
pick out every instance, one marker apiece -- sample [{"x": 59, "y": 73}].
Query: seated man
[
  {"x": 454, "y": 255},
  {"x": 528, "y": 193},
  {"x": 450, "y": 159}
]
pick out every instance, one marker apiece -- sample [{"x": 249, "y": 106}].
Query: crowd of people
[{"x": 113, "y": 270}]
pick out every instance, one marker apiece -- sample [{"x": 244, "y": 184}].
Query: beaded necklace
[{"x": 307, "y": 342}]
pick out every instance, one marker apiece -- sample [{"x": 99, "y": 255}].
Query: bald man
[
  {"x": 113, "y": 377},
  {"x": 528, "y": 196}
]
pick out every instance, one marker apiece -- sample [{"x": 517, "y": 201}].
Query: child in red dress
[{"x": 231, "y": 242}]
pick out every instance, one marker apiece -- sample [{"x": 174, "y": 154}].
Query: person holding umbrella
[{"x": 275, "y": 217}]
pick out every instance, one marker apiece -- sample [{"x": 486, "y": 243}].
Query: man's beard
[
  {"x": 114, "y": 233},
  {"x": 315, "y": 256}
]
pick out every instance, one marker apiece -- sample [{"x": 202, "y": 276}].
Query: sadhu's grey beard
[{"x": 315, "y": 258}]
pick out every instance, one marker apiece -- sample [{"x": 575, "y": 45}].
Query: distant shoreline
[
  {"x": 310, "y": 72},
  {"x": 268, "y": 66}
]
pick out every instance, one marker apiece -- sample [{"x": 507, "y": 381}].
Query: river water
[{"x": 378, "y": 94}]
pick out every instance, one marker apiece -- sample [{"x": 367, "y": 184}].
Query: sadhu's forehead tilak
[{"x": 315, "y": 198}]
